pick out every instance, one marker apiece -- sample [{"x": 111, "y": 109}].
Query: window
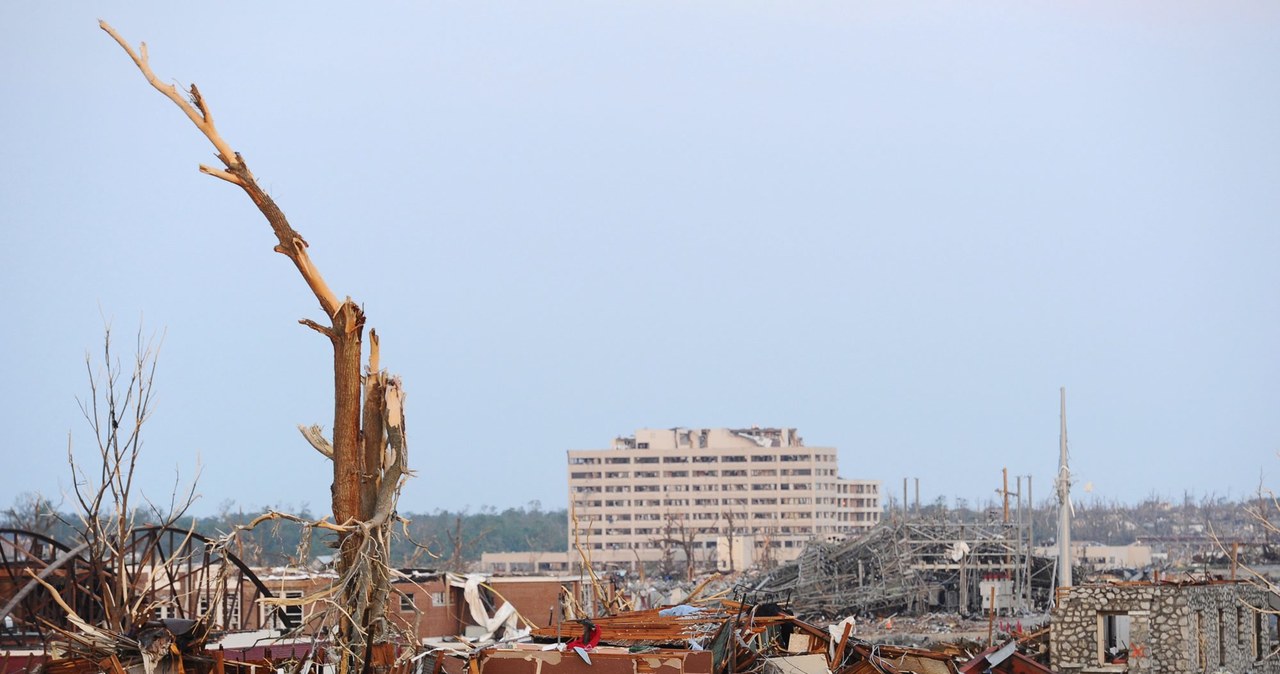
[
  {"x": 763, "y": 457},
  {"x": 282, "y": 614},
  {"x": 1113, "y": 638},
  {"x": 1240, "y": 631},
  {"x": 406, "y": 602},
  {"x": 1222, "y": 638},
  {"x": 1259, "y": 635},
  {"x": 1201, "y": 659},
  {"x": 232, "y": 602}
]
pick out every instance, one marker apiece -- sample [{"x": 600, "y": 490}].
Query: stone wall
[{"x": 1172, "y": 629}]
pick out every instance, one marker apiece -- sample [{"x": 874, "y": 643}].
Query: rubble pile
[{"x": 911, "y": 568}]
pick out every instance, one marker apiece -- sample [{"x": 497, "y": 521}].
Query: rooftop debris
[{"x": 711, "y": 636}]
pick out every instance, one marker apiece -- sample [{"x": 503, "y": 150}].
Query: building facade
[{"x": 686, "y": 492}]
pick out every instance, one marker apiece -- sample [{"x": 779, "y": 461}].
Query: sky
[{"x": 899, "y": 227}]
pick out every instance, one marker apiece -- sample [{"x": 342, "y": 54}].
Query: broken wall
[{"x": 1166, "y": 628}]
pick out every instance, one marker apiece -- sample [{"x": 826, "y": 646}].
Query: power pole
[{"x": 1031, "y": 538}]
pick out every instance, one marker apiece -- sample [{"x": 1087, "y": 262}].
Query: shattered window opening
[{"x": 1113, "y": 641}]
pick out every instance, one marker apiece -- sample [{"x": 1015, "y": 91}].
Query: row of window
[
  {"x": 701, "y": 458},
  {"x": 650, "y": 545},
  {"x": 586, "y": 533},
  {"x": 763, "y": 515},
  {"x": 727, "y": 500},
  {"x": 407, "y": 604},
  {"x": 650, "y": 474},
  {"x": 656, "y": 488}
]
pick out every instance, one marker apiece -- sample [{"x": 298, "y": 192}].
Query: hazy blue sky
[{"x": 897, "y": 226}]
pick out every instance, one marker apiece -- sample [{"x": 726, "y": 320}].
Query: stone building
[{"x": 1165, "y": 627}]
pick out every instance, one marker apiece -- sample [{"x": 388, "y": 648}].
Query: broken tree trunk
[{"x": 368, "y": 443}]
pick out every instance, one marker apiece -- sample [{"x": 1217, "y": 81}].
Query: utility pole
[
  {"x": 1064, "y": 499},
  {"x": 1004, "y": 492},
  {"x": 1031, "y": 538},
  {"x": 905, "y": 501}
]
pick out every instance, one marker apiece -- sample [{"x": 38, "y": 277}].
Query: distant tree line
[
  {"x": 454, "y": 540},
  {"x": 1110, "y": 522},
  {"x": 443, "y": 539}
]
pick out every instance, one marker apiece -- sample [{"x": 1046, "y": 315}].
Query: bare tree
[
  {"x": 460, "y": 546},
  {"x": 730, "y": 532},
  {"x": 31, "y": 512},
  {"x": 675, "y": 534},
  {"x": 367, "y": 447},
  {"x": 117, "y": 407}
]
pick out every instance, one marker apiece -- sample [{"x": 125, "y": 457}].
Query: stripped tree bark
[{"x": 368, "y": 443}]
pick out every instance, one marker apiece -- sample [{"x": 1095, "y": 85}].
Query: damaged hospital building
[{"x": 728, "y": 496}]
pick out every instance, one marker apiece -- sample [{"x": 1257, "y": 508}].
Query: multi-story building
[{"x": 756, "y": 494}]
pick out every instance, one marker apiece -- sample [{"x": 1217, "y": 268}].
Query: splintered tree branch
[
  {"x": 201, "y": 118},
  {"x": 367, "y": 445},
  {"x": 315, "y": 437},
  {"x": 291, "y": 244}
]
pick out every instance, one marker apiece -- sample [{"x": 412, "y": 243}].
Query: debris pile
[
  {"x": 914, "y": 567},
  {"x": 712, "y": 636}
]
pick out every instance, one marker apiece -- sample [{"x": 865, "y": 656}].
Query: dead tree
[
  {"x": 730, "y": 532},
  {"x": 367, "y": 447},
  {"x": 32, "y": 512},
  {"x": 676, "y": 534},
  {"x": 117, "y": 407}
]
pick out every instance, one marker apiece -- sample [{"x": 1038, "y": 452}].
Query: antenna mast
[{"x": 1064, "y": 500}]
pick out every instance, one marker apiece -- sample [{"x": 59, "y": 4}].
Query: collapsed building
[
  {"x": 191, "y": 599},
  {"x": 915, "y": 567},
  {"x": 709, "y": 636}
]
